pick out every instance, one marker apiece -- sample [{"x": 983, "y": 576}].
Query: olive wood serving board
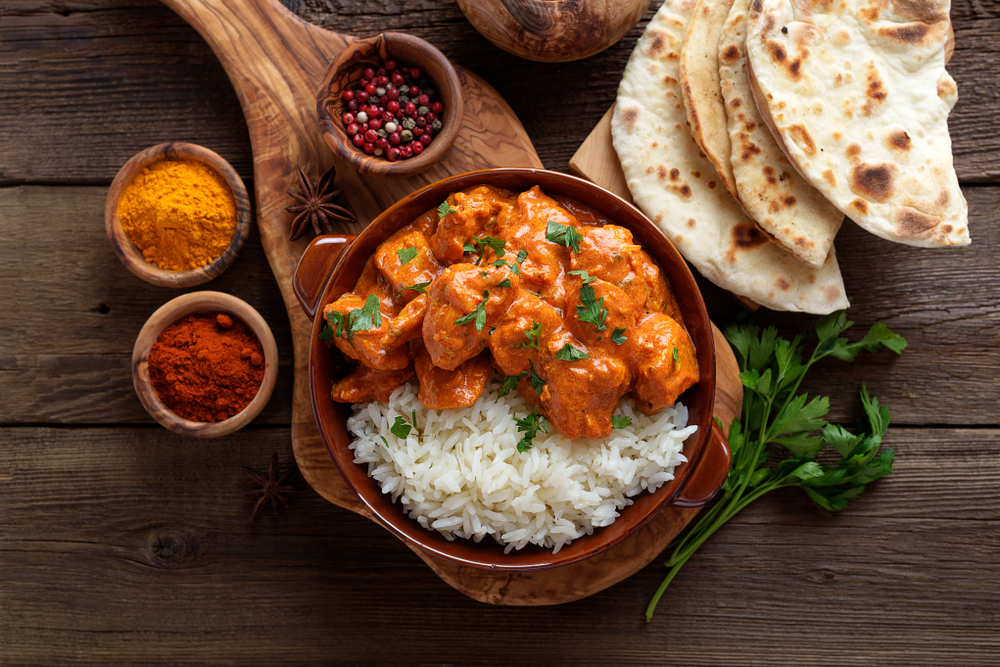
[{"x": 276, "y": 63}]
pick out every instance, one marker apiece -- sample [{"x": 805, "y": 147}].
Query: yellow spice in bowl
[{"x": 180, "y": 214}]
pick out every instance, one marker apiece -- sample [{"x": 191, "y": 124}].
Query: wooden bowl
[
  {"x": 345, "y": 71},
  {"x": 331, "y": 266},
  {"x": 553, "y": 31},
  {"x": 170, "y": 312},
  {"x": 132, "y": 257}
]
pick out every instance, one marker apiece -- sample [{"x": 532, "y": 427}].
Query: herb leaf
[
  {"x": 530, "y": 426},
  {"x": 336, "y": 320},
  {"x": 326, "y": 333},
  {"x": 510, "y": 381},
  {"x": 593, "y": 309},
  {"x": 676, "y": 355},
  {"x": 365, "y": 318},
  {"x": 564, "y": 235},
  {"x": 400, "y": 428},
  {"x": 533, "y": 335},
  {"x": 570, "y": 353},
  {"x": 504, "y": 283},
  {"x": 537, "y": 383},
  {"x": 444, "y": 209},
  {"x": 618, "y": 335},
  {"x": 584, "y": 276},
  {"x": 620, "y": 421},
  {"x": 418, "y": 287},
  {"x": 478, "y": 314},
  {"x": 406, "y": 255},
  {"x": 775, "y": 414}
]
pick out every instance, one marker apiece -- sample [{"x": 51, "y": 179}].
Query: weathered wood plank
[
  {"x": 183, "y": 577},
  {"x": 73, "y": 312},
  {"x": 54, "y": 60}
]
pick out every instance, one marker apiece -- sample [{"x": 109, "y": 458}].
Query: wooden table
[{"x": 121, "y": 543}]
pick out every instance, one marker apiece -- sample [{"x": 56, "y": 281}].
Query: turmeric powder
[{"x": 180, "y": 214}]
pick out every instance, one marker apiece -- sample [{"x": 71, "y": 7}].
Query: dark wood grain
[
  {"x": 182, "y": 576},
  {"x": 55, "y": 55}
]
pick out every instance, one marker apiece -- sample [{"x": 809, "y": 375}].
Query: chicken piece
[
  {"x": 366, "y": 384},
  {"x": 470, "y": 213},
  {"x": 580, "y": 396},
  {"x": 605, "y": 310},
  {"x": 660, "y": 377},
  {"x": 525, "y": 228},
  {"x": 609, "y": 253},
  {"x": 442, "y": 389},
  {"x": 381, "y": 345},
  {"x": 405, "y": 259},
  {"x": 659, "y": 296},
  {"x": 464, "y": 302},
  {"x": 510, "y": 342},
  {"x": 373, "y": 282}
]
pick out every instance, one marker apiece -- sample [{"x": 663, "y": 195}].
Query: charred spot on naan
[
  {"x": 875, "y": 93},
  {"x": 853, "y": 151},
  {"x": 911, "y": 223},
  {"x": 744, "y": 236},
  {"x": 875, "y": 181},
  {"x": 898, "y": 140},
  {"x": 924, "y": 11},
  {"x": 801, "y": 137},
  {"x": 629, "y": 116}
]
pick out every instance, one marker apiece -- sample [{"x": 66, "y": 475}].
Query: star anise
[
  {"x": 316, "y": 207},
  {"x": 270, "y": 487}
]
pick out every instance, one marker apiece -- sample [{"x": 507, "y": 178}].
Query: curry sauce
[{"x": 545, "y": 291}]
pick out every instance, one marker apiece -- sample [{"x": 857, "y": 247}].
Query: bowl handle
[
  {"x": 315, "y": 268},
  {"x": 710, "y": 473}
]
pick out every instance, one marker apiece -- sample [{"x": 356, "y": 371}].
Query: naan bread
[
  {"x": 857, "y": 92},
  {"x": 675, "y": 185},
  {"x": 706, "y": 111},
  {"x": 784, "y": 204}
]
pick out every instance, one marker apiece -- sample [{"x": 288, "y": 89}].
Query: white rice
[{"x": 465, "y": 477}]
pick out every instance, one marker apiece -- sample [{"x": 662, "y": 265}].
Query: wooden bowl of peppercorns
[
  {"x": 390, "y": 105},
  {"x": 188, "y": 388}
]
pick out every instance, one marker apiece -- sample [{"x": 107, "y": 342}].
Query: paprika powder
[{"x": 207, "y": 367}]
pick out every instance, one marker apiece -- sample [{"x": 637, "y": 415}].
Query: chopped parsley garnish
[
  {"x": 444, "y": 209},
  {"x": 514, "y": 268},
  {"x": 593, "y": 309},
  {"x": 365, "y": 318},
  {"x": 326, "y": 333},
  {"x": 504, "y": 283},
  {"x": 676, "y": 355},
  {"x": 564, "y": 235},
  {"x": 584, "y": 276},
  {"x": 406, "y": 255},
  {"x": 570, "y": 353},
  {"x": 522, "y": 255},
  {"x": 510, "y": 381},
  {"x": 336, "y": 320},
  {"x": 418, "y": 287},
  {"x": 479, "y": 246},
  {"x": 384, "y": 441},
  {"x": 620, "y": 421},
  {"x": 532, "y": 335},
  {"x": 530, "y": 426},
  {"x": 618, "y": 335},
  {"x": 400, "y": 428},
  {"x": 537, "y": 383},
  {"x": 478, "y": 314}
]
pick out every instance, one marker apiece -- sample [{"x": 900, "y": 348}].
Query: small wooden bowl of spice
[
  {"x": 204, "y": 364},
  {"x": 177, "y": 215},
  {"x": 390, "y": 105}
]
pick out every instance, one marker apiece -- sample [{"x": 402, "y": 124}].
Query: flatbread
[
  {"x": 857, "y": 93},
  {"x": 674, "y": 184},
  {"x": 703, "y": 104},
  {"x": 796, "y": 215}
]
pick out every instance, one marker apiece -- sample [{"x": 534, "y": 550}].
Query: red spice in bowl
[{"x": 207, "y": 367}]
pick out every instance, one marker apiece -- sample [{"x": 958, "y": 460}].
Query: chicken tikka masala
[{"x": 556, "y": 298}]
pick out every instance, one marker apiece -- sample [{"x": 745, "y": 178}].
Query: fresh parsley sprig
[
  {"x": 593, "y": 309},
  {"x": 365, "y": 318},
  {"x": 564, "y": 235},
  {"x": 478, "y": 314},
  {"x": 530, "y": 426},
  {"x": 774, "y": 414},
  {"x": 479, "y": 246},
  {"x": 444, "y": 209}
]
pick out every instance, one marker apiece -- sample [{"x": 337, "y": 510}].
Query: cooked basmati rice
[{"x": 465, "y": 477}]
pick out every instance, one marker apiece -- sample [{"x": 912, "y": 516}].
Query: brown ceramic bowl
[
  {"x": 345, "y": 71},
  {"x": 332, "y": 265},
  {"x": 170, "y": 312},
  {"x": 131, "y": 256}
]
